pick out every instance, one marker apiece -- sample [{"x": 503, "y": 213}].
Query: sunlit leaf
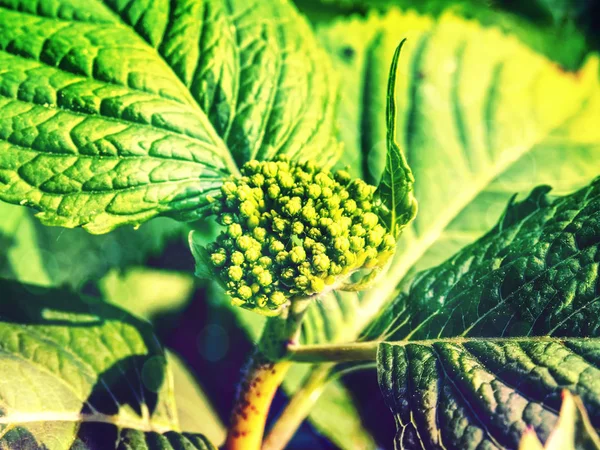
[
  {"x": 79, "y": 372},
  {"x": 115, "y": 113}
]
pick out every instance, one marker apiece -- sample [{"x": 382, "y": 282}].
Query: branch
[{"x": 359, "y": 351}]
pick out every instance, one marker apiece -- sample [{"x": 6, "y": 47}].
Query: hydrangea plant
[{"x": 273, "y": 143}]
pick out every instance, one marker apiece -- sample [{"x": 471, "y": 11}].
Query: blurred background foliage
[{"x": 149, "y": 271}]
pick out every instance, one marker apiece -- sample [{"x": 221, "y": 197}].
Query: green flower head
[{"x": 292, "y": 231}]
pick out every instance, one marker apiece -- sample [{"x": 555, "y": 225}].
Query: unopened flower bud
[
  {"x": 356, "y": 243},
  {"x": 278, "y": 298},
  {"x": 297, "y": 228},
  {"x": 247, "y": 208},
  {"x": 235, "y": 230},
  {"x": 252, "y": 254},
  {"x": 273, "y": 191},
  {"x": 218, "y": 259},
  {"x": 314, "y": 191},
  {"x": 276, "y": 247},
  {"x": 321, "y": 262},
  {"x": 237, "y": 258},
  {"x": 317, "y": 284},
  {"x": 297, "y": 254},
  {"x": 235, "y": 273}
]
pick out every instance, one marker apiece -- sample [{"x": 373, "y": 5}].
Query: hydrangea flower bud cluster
[{"x": 292, "y": 230}]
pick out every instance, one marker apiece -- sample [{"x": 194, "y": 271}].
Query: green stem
[
  {"x": 297, "y": 409},
  {"x": 266, "y": 370},
  {"x": 303, "y": 401},
  {"x": 359, "y": 351}
]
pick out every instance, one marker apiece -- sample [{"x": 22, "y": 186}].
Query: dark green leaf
[
  {"x": 115, "y": 113},
  {"x": 138, "y": 440},
  {"x": 499, "y": 330},
  {"x": 573, "y": 429},
  {"x": 95, "y": 436},
  {"x": 484, "y": 393},
  {"x": 534, "y": 274}
]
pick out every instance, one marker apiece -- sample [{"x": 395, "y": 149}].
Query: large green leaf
[
  {"x": 499, "y": 330},
  {"x": 194, "y": 409},
  {"x": 458, "y": 203},
  {"x": 534, "y": 274},
  {"x": 564, "y": 31},
  {"x": 476, "y": 126},
  {"x": 76, "y": 370},
  {"x": 478, "y": 393},
  {"x": 115, "y": 112},
  {"x": 33, "y": 253}
]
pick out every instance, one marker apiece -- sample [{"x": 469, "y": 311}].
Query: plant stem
[
  {"x": 297, "y": 409},
  {"x": 253, "y": 402},
  {"x": 302, "y": 403},
  {"x": 266, "y": 370},
  {"x": 359, "y": 351}
]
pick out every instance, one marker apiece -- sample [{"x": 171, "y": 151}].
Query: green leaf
[
  {"x": 484, "y": 393},
  {"x": 20, "y": 437},
  {"x": 77, "y": 370},
  {"x": 395, "y": 187},
  {"x": 562, "y": 31},
  {"x": 499, "y": 329},
  {"x": 534, "y": 274},
  {"x": 194, "y": 409},
  {"x": 476, "y": 126},
  {"x": 33, "y": 253},
  {"x": 114, "y": 113},
  {"x": 573, "y": 429},
  {"x": 146, "y": 292}
]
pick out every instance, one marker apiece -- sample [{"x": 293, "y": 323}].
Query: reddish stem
[{"x": 254, "y": 399}]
